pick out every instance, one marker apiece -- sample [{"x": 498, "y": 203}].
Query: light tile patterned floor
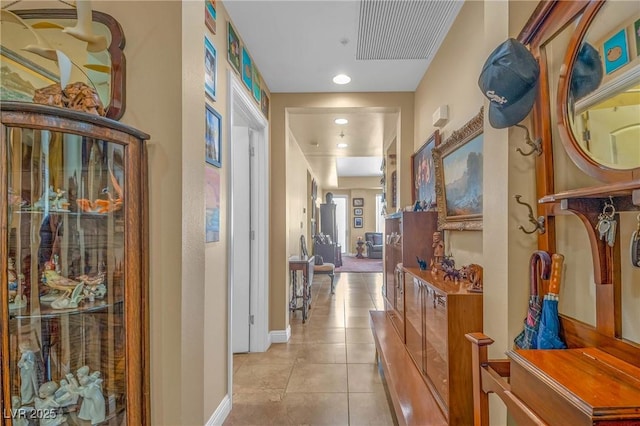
[{"x": 326, "y": 374}]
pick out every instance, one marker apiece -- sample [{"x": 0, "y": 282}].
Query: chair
[
  {"x": 373, "y": 240},
  {"x": 320, "y": 267}
]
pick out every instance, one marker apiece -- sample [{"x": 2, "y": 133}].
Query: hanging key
[{"x": 607, "y": 224}]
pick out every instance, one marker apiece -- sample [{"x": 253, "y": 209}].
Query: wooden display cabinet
[{"x": 73, "y": 250}]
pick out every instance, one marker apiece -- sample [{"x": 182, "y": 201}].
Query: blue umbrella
[
  {"x": 528, "y": 338},
  {"x": 549, "y": 332}
]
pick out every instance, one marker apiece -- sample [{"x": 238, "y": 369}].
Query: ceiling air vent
[{"x": 403, "y": 29}]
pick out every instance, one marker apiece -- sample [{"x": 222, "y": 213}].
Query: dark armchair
[{"x": 373, "y": 240}]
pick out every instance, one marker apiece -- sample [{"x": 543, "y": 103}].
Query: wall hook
[
  {"x": 536, "y": 146},
  {"x": 539, "y": 222}
]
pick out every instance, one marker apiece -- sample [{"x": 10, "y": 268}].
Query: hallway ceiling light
[
  {"x": 342, "y": 145},
  {"x": 341, "y": 79},
  {"x": 341, "y": 121}
]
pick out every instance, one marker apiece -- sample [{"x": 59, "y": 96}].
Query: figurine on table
[
  {"x": 438, "y": 251},
  {"x": 93, "y": 403}
]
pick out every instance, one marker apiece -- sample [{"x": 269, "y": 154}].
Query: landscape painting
[
  {"x": 459, "y": 177},
  {"x": 463, "y": 179},
  {"x": 212, "y": 204}
]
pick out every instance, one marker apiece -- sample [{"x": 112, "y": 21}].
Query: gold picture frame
[{"x": 458, "y": 168}]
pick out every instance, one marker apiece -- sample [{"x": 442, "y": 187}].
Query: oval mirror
[
  {"x": 100, "y": 64},
  {"x": 599, "y": 95}
]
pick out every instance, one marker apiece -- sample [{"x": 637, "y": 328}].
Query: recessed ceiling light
[
  {"x": 341, "y": 121},
  {"x": 341, "y": 79},
  {"x": 343, "y": 145}
]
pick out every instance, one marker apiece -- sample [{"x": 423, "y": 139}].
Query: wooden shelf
[{"x": 623, "y": 189}]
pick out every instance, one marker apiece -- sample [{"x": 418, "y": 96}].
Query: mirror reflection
[{"x": 604, "y": 93}]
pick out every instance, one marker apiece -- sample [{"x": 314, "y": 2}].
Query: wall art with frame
[
  {"x": 423, "y": 177},
  {"x": 212, "y": 204},
  {"x": 247, "y": 69},
  {"x": 458, "y": 167},
  {"x": 210, "y": 15},
  {"x": 233, "y": 48},
  {"x": 358, "y": 222},
  {"x": 357, "y": 211},
  {"x": 210, "y": 68},
  {"x": 213, "y": 136},
  {"x": 358, "y": 202}
]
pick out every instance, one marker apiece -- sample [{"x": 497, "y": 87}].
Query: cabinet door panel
[{"x": 436, "y": 335}]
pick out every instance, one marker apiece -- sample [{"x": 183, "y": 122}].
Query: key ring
[{"x": 612, "y": 209}]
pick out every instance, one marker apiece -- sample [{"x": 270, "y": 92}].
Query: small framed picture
[
  {"x": 264, "y": 104},
  {"x": 358, "y": 202},
  {"x": 257, "y": 78},
  {"x": 358, "y": 222},
  {"x": 233, "y": 48},
  {"x": 213, "y": 131},
  {"x": 247, "y": 69},
  {"x": 210, "y": 15},
  {"x": 616, "y": 51},
  {"x": 210, "y": 68},
  {"x": 357, "y": 211}
]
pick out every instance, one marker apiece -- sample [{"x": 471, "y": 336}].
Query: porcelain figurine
[
  {"x": 69, "y": 301},
  {"x": 15, "y": 405},
  {"x": 93, "y": 403},
  {"x": 28, "y": 375},
  {"x": 46, "y": 404},
  {"x": 66, "y": 395}
]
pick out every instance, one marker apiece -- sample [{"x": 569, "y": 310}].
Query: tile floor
[{"x": 326, "y": 374}]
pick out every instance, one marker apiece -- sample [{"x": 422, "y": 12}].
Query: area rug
[{"x": 353, "y": 264}]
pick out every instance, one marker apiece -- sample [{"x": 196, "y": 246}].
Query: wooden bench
[{"x": 412, "y": 401}]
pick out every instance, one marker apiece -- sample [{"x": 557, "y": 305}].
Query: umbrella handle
[
  {"x": 557, "y": 261},
  {"x": 541, "y": 258}
]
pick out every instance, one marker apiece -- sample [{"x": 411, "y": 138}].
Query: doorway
[{"x": 248, "y": 212}]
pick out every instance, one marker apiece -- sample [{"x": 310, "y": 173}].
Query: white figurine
[
  {"x": 16, "y": 405},
  {"x": 66, "y": 395},
  {"x": 93, "y": 404},
  {"x": 28, "y": 376},
  {"x": 47, "y": 405}
]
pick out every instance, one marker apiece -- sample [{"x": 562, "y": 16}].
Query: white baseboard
[
  {"x": 221, "y": 413},
  {"x": 280, "y": 336}
]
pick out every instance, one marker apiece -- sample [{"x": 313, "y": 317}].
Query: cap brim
[{"x": 501, "y": 117}]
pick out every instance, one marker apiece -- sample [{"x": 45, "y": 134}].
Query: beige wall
[{"x": 165, "y": 98}]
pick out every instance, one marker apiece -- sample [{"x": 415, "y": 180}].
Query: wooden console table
[{"x": 305, "y": 265}]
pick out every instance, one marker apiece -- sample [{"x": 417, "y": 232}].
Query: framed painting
[
  {"x": 458, "y": 165},
  {"x": 210, "y": 15},
  {"x": 264, "y": 104},
  {"x": 423, "y": 177},
  {"x": 357, "y": 211},
  {"x": 212, "y": 204},
  {"x": 358, "y": 202},
  {"x": 358, "y": 222},
  {"x": 233, "y": 48},
  {"x": 213, "y": 132},
  {"x": 247, "y": 69},
  {"x": 21, "y": 77},
  {"x": 210, "y": 68},
  {"x": 256, "y": 77},
  {"x": 616, "y": 51}
]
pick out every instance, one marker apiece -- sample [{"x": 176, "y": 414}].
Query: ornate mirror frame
[
  {"x": 571, "y": 145},
  {"x": 116, "y": 106}
]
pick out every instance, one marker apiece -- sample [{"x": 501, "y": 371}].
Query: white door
[
  {"x": 341, "y": 221},
  {"x": 241, "y": 238}
]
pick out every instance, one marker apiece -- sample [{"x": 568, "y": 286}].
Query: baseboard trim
[
  {"x": 221, "y": 413},
  {"x": 280, "y": 336}
]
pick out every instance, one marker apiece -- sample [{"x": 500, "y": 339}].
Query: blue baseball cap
[
  {"x": 509, "y": 79},
  {"x": 586, "y": 74}
]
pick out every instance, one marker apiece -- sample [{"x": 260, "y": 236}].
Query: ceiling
[{"x": 384, "y": 46}]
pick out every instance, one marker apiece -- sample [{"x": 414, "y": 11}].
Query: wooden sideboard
[{"x": 430, "y": 318}]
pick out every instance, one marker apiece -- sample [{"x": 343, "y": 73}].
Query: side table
[{"x": 360, "y": 249}]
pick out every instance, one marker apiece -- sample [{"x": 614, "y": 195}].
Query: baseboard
[
  {"x": 221, "y": 413},
  {"x": 280, "y": 336}
]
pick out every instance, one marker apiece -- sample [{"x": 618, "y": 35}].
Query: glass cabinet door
[{"x": 65, "y": 252}]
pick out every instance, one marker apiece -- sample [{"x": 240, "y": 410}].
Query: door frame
[{"x": 240, "y": 102}]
